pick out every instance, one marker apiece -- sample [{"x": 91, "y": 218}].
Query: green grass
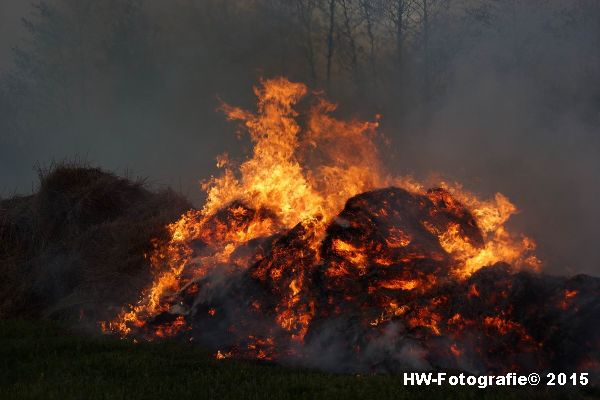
[{"x": 43, "y": 361}]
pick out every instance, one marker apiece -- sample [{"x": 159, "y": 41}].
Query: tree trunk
[
  {"x": 305, "y": 12},
  {"x": 330, "y": 42},
  {"x": 426, "y": 55},
  {"x": 351, "y": 41},
  {"x": 399, "y": 32}
]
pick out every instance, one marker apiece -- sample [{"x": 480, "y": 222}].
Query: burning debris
[{"x": 310, "y": 253}]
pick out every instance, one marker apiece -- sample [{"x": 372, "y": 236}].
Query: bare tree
[
  {"x": 400, "y": 27},
  {"x": 348, "y": 32},
  {"x": 369, "y": 14},
  {"x": 305, "y": 10},
  {"x": 425, "y": 48},
  {"x": 330, "y": 41}
]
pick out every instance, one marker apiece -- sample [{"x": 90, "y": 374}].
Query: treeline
[{"x": 93, "y": 72}]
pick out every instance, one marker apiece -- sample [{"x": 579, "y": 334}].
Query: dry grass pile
[{"x": 75, "y": 249}]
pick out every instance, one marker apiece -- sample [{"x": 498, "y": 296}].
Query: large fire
[{"x": 310, "y": 247}]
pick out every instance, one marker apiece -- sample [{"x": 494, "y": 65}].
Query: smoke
[
  {"x": 390, "y": 348},
  {"x": 497, "y": 95},
  {"x": 519, "y": 117},
  {"x": 10, "y": 13}
]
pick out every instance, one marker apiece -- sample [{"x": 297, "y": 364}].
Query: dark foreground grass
[{"x": 43, "y": 361}]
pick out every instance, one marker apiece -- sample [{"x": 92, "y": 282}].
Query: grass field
[{"x": 44, "y": 361}]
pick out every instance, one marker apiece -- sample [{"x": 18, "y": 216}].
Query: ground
[{"x": 44, "y": 360}]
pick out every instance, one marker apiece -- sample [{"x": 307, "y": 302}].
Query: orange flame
[{"x": 303, "y": 168}]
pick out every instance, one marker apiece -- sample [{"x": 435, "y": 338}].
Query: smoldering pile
[
  {"x": 74, "y": 250},
  {"x": 378, "y": 293}
]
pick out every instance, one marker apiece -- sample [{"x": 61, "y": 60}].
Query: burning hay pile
[
  {"x": 306, "y": 253},
  {"x": 380, "y": 294},
  {"x": 300, "y": 256}
]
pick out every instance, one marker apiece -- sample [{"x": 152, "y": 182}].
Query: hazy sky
[{"x": 11, "y": 12}]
